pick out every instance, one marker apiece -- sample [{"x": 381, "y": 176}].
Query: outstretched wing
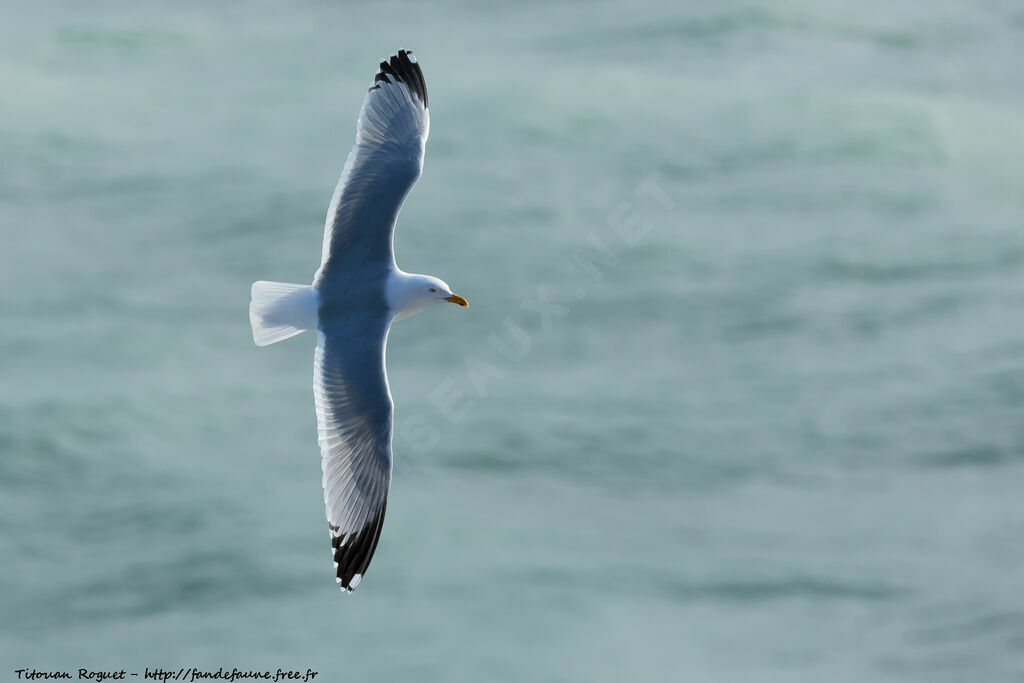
[
  {"x": 380, "y": 170},
  {"x": 353, "y": 414}
]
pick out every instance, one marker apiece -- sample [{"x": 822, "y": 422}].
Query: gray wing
[
  {"x": 353, "y": 414},
  {"x": 380, "y": 170}
]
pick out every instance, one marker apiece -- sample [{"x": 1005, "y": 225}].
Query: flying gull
[{"x": 356, "y": 294}]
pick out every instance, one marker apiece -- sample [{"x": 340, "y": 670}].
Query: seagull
[{"x": 356, "y": 294}]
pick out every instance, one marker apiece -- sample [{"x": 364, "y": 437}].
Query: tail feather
[{"x": 279, "y": 310}]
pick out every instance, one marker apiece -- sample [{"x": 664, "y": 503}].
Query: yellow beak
[{"x": 456, "y": 299}]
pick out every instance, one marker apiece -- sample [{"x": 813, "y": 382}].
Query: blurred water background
[{"x": 780, "y": 438}]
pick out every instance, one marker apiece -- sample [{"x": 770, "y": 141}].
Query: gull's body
[{"x": 356, "y": 294}]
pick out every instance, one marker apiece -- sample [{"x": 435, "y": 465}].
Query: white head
[{"x": 410, "y": 294}]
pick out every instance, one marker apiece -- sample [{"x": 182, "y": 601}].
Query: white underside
[{"x": 279, "y": 310}]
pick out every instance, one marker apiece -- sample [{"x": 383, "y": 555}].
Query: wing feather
[
  {"x": 354, "y": 416},
  {"x": 381, "y": 168}
]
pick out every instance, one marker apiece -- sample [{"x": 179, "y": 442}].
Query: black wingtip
[
  {"x": 353, "y": 552},
  {"x": 402, "y": 67}
]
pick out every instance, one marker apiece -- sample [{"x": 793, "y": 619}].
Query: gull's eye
[{"x": 433, "y": 291}]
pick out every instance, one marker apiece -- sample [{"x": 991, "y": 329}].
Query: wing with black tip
[{"x": 382, "y": 167}]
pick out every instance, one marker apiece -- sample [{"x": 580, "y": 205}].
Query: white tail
[{"x": 279, "y": 310}]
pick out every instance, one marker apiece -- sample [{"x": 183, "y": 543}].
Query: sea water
[{"x": 739, "y": 395}]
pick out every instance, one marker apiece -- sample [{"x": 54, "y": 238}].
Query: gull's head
[
  {"x": 410, "y": 294},
  {"x": 438, "y": 291}
]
